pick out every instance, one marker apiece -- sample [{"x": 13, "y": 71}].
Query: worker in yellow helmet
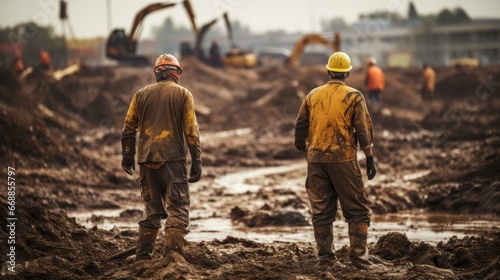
[
  {"x": 164, "y": 114},
  {"x": 331, "y": 122}
]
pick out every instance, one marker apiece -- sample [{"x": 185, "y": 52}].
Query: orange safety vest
[{"x": 374, "y": 78}]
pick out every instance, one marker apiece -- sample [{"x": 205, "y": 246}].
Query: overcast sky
[{"x": 89, "y": 17}]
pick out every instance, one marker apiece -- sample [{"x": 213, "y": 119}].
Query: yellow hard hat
[{"x": 339, "y": 62}]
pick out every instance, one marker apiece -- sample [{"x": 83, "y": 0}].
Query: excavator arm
[
  {"x": 312, "y": 39},
  {"x": 190, "y": 12},
  {"x": 142, "y": 14},
  {"x": 229, "y": 29},
  {"x": 201, "y": 34}
]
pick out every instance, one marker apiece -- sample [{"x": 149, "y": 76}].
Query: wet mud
[{"x": 64, "y": 141}]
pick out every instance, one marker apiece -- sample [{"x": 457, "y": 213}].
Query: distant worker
[
  {"x": 45, "y": 60},
  {"x": 374, "y": 82},
  {"x": 17, "y": 65},
  {"x": 164, "y": 113},
  {"x": 214, "y": 52},
  {"x": 331, "y": 121},
  {"x": 428, "y": 83}
]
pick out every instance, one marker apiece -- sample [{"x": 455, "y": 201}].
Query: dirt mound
[
  {"x": 50, "y": 245},
  {"x": 470, "y": 257}
]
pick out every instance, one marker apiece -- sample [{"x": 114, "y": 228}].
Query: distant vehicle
[
  {"x": 123, "y": 47},
  {"x": 465, "y": 62},
  {"x": 237, "y": 57}
]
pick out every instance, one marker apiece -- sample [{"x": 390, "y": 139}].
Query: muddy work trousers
[
  {"x": 165, "y": 193},
  {"x": 328, "y": 183}
]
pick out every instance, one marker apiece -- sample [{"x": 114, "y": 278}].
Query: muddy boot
[
  {"x": 358, "y": 234},
  {"x": 326, "y": 252},
  {"x": 174, "y": 241},
  {"x": 145, "y": 243}
]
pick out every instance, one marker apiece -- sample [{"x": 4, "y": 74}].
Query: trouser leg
[
  {"x": 178, "y": 201},
  {"x": 146, "y": 243},
  {"x": 324, "y": 241}
]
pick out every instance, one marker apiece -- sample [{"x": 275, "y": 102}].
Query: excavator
[
  {"x": 309, "y": 39},
  {"x": 237, "y": 57},
  {"x": 234, "y": 58},
  {"x": 123, "y": 48}
]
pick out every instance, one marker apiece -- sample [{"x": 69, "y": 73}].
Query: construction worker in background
[
  {"x": 331, "y": 121},
  {"x": 164, "y": 113},
  {"x": 45, "y": 59},
  {"x": 214, "y": 53},
  {"x": 428, "y": 83},
  {"x": 374, "y": 82},
  {"x": 17, "y": 65}
]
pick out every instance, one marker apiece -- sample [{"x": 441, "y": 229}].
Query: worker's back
[
  {"x": 164, "y": 114},
  {"x": 331, "y": 122}
]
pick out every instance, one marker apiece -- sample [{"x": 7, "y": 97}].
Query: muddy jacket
[
  {"x": 374, "y": 79},
  {"x": 165, "y": 115},
  {"x": 332, "y": 118},
  {"x": 428, "y": 79}
]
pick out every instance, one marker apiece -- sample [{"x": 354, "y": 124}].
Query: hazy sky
[{"x": 89, "y": 17}]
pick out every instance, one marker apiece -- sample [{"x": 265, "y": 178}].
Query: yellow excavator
[
  {"x": 123, "y": 47},
  {"x": 234, "y": 58},
  {"x": 237, "y": 57},
  {"x": 309, "y": 39}
]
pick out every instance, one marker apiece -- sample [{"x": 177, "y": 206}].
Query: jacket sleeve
[
  {"x": 362, "y": 123},
  {"x": 302, "y": 124},
  {"x": 191, "y": 130},
  {"x": 130, "y": 128}
]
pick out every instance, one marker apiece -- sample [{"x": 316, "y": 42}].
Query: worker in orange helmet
[
  {"x": 332, "y": 121},
  {"x": 374, "y": 82},
  {"x": 45, "y": 59},
  {"x": 164, "y": 114}
]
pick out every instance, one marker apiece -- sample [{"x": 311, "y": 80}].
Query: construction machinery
[
  {"x": 234, "y": 58},
  {"x": 237, "y": 57},
  {"x": 309, "y": 39},
  {"x": 123, "y": 47}
]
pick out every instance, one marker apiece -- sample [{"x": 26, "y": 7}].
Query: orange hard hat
[{"x": 167, "y": 60}]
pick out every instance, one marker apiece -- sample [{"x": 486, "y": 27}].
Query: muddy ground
[{"x": 63, "y": 139}]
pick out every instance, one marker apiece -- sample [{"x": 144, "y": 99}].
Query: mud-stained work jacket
[
  {"x": 428, "y": 79},
  {"x": 374, "y": 79},
  {"x": 165, "y": 115},
  {"x": 332, "y": 119}
]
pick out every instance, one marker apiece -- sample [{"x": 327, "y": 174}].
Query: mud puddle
[{"x": 238, "y": 189}]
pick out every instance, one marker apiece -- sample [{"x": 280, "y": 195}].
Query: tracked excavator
[
  {"x": 123, "y": 47},
  {"x": 234, "y": 58},
  {"x": 309, "y": 39},
  {"x": 237, "y": 57}
]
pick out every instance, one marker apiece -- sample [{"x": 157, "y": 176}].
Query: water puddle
[
  {"x": 235, "y": 183},
  {"x": 417, "y": 225}
]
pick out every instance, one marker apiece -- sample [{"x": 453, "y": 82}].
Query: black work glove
[
  {"x": 371, "y": 170},
  {"x": 195, "y": 174},
  {"x": 128, "y": 163}
]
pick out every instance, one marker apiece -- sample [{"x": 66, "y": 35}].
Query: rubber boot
[
  {"x": 358, "y": 235},
  {"x": 174, "y": 240},
  {"x": 324, "y": 242},
  {"x": 146, "y": 243}
]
